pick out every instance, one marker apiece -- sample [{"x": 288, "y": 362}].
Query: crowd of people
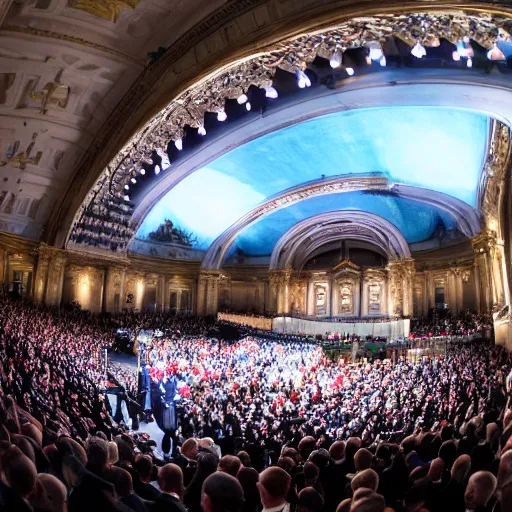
[
  {"x": 257, "y": 424},
  {"x": 442, "y": 323}
]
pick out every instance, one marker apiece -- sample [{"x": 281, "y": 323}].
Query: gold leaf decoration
[{"x": 106, "y": 9}]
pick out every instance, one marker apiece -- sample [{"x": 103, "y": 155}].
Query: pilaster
[
  {"x": 114, "y": 286},
  {"x": 208, "y": 292}
]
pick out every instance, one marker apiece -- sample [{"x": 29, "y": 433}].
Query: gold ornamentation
[
  {"x": 22, "y": 158},
  {"x": 52, "y": 95},
  {"x": 106, "y": 9},
  {"x": 498, "y": 159}
]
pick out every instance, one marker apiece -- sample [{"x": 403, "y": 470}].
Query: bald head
[
  {"x": 481, "y": 487},
  {"x": 230, "y": 464},
  {"x": 363, "y": 459},
  {"x": 436, "y": 469},
  {"x": 170, "y": 479},
  {"x": 368, "y": 479},
  {"x": 222, "y": 492},
  {"x": 273, "y": 486},
  {"x": 190, "y": 448},
  {"x": 505, "y": 469},
  {"x": 19, "y": 471},
  {"x": 52, "y": 494},
  {"x": 337, "y": 451},
  {"x": 461, "y": 468},
  {"x": 366, "y": 500}
]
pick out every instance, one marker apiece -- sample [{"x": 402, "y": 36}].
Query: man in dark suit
[
  {"x": 170, "y": 480},
  {"x": 165, "y": 413}
]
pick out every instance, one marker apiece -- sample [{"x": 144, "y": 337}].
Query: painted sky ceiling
[{"x": 436, "y": 148}]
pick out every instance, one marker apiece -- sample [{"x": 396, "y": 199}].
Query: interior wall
[{"x": 246, "y": 297}]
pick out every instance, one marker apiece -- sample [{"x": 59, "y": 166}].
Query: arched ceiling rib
[
  {"x": 295, "y": 247},
  {"x": 467, "y": 217}
]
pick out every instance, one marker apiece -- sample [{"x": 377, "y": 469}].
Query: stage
[{"x": 129, "y": 362}]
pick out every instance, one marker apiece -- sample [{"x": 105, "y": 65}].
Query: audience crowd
[{"x": 263, "y": 425}]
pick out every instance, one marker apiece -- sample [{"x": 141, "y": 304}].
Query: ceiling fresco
[
  {"x": 416, "y": 221},
  {"x": 435, "y": 148}
]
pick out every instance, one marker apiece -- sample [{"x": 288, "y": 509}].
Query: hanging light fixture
[
  {"x": 375, "y": 51},
  {"x": 221, "y": 116},
  {"x": 248, "y": 106},
  {"x": 126, "y": 197},
  {"x": 165, "y": 158},
  {"x": 157, "y": 169},
  {"x": 495, "y": 53},
  {"x": 303, "y": 80},
  {"x": 336, "y": 59},
  {"x": 242, "y": 99},
  {"x": 143, "y": 171},
  {"x": 271, "y": 93},
  {"x": 127, "y": 187},
  {"x": 133, "y": 180},
  {"x": 350, "y": 71},
  {"x": 201, "y": 130},
  {"x": 419, "y": 50},
  {"x": 179, "y": 144}
]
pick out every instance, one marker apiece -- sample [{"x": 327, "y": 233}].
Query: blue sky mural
[
  {"x": 436, "y": 148},
  {"x": 416, "y": 221}
]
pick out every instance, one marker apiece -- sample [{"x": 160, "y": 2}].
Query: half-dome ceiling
[
  {"x": 435, "y": 148},
  {"x": 416, "y": 221}
]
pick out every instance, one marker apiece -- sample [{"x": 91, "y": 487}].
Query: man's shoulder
[{"x": 166, "y": 502}]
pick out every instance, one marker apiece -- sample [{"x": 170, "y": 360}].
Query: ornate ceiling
[
  {"x": 84, "y": 109},
  {"x": 65, "y": 64}
]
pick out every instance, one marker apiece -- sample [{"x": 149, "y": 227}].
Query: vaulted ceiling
[{"x": 88, "y": 93}]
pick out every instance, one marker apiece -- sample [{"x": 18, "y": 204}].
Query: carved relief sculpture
[
  {"x": 167, "y": 232},
  {"x": 320, "y": 300},
  {"x": 346, "y": 299}
]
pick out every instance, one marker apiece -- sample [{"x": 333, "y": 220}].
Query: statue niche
[
  {"x": 346, "y": 299},
  {"x": 167, "y": 232},
  {"x": 320, "y": 300},
  {"x": 374, "y": 299}
]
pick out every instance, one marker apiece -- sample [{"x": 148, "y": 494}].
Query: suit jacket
[{"x": 168, "y": 503}]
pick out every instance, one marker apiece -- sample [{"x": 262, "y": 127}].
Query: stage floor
[{"x": 130, "y": 362}]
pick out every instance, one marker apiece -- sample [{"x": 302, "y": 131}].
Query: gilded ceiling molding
[
  {"x": 296, "y": 245},
  {"x": 466, "y": 217},
  {"x": 492, "y": 182},
  {"x": 109, "y": 10},
  {"x": 147, "y": 95}
]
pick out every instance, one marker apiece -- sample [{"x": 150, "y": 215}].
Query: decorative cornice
[{"x": 37, "y": 32}]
